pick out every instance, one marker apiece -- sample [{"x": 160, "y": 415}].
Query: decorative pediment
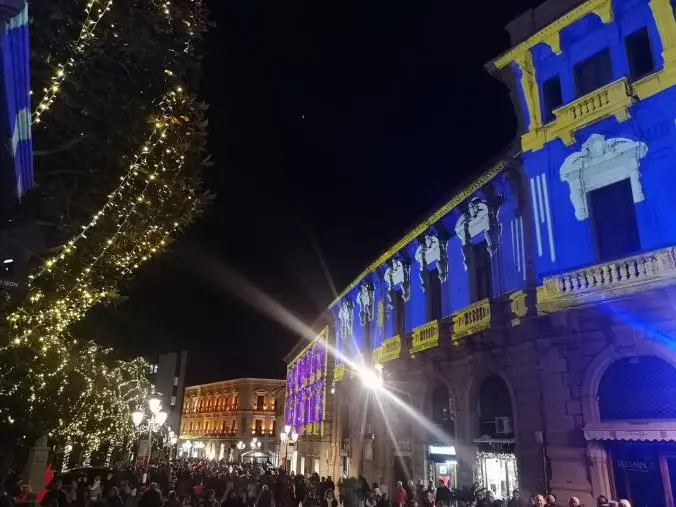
[
  {"x": 366, "y": 301},
  {"x": 602, "y": 162}
]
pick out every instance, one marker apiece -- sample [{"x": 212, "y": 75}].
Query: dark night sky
[{"x": 334, "y": 128}]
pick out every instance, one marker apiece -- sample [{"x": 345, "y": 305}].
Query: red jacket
[{"x": 400, "y": 496}]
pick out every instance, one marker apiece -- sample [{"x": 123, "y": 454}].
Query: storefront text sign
[
  {"x": 425, "y": 337},
  {"x": 390, "y": 349}
]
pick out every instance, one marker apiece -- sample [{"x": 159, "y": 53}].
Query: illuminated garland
[
  {"x": 48, "y": 379},
  {"x": 89, "y": 25}
]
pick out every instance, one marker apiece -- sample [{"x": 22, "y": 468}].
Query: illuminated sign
[
  {"x": 425, "y": 337},
  {"x": 448, "y": 450}
]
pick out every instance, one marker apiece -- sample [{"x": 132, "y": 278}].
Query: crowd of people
[{"x": 208, "y": 483}]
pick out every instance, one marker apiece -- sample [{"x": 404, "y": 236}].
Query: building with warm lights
[
  {"x": 523, "y": 334},
  {"x": 232, "y": 419}
]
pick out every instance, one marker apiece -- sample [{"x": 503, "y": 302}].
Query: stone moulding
[{"x": 607, "y": 280}]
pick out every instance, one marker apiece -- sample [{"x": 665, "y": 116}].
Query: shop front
[
  {"x": 442, "y": 464},
  {"x": 495, "y": 467}
]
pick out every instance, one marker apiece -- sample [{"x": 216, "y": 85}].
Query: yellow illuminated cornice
[
  {"x": 550, "y": 35},
  {"x": 433, "y": 219},
  {"x": 324, "y": 334}
]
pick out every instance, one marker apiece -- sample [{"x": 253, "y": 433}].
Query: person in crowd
[
  {"x": 428, "y": 499},
  {"x": 602, "y": 501},
  {"x": 232, "y": 499},
  {"x": 172, "y": 500},
  {"x": 265, "y": 497},
  {"x": 574, "y": 501},
  {"x": 329, "y": 499},
  {"x": 400, "y": 496},
  {"x": 443, "y": 494},
  {"x": 517, "y": 500},
  {"x": 113, "y": 497},
  {"x": 151, "y": 497}
]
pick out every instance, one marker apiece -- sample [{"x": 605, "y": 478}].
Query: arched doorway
[
  {"x": 440, "y": 444},
  {"x": 495, "y": 463},
  {"x": 638, "y": 427}
]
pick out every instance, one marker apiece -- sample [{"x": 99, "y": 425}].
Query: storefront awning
[{"x": 655, "y": 431}]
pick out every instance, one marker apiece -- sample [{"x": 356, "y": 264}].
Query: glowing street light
[
  {"x": 287, "y": 437},
  {"x": 372, "y": 379},
  {"x": 156, "y": 420}
]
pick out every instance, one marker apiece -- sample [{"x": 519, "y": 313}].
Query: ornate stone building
[
  {"x": 219, "y": 416},
  {"x": 523, "y": 333}
]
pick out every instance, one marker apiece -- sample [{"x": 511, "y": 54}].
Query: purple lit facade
[{"x": 306, "y": 388}]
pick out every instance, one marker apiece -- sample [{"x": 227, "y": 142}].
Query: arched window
[
  {"x": 494, "y": 412},
  {"x": 638, "y": 388}
]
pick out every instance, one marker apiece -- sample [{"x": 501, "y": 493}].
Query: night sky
[{"x": 335, "y": 127}]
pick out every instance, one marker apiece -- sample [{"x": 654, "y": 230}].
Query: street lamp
[
  {"x": 240, "y": 447},
  {"x": 156, "y": 420},
  {"x": 287, "y": 437},
  {"x": 372, "y": 379}
]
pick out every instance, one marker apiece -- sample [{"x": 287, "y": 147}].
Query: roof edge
[{"x": 471, "y": 185}]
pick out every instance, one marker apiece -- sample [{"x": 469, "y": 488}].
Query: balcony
[
  {"x": 612, "y": 99},
  {"x": 472, "y": 319},
  {"x": 607, "y": 280}
]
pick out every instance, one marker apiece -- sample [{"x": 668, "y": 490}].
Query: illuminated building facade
[
  {"x": 309, "y": 408},
  {"x": 530, "y": 320},
  {"x": 219, "y": 416}
]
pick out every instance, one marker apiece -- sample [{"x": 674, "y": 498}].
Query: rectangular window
[
  {"x": 398, "y": 313},
  {"x": 593, "y": 73},
  {"x": 433, "y": 289},
  {"x": 259, "y": 427},
  {"x": 551, "y": 98},
  {"x": 260, "y": 402},
  {"x": 614, "y": 220},
  {"x": 639, "y": 54},
  {"x": 483, "y": 279}
]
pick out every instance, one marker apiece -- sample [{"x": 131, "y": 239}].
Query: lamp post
[
  {"x": 287, "y": 437},
  {"x": 157, "y": 418}
]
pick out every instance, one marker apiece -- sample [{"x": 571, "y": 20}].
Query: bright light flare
[{"x": 371, "y": 379}]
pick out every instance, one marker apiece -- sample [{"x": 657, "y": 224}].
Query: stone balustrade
[
  {"x": 602, "y": 280},
  {"x": 610, "y": 100},
  {"x": 472, "y": 319}
]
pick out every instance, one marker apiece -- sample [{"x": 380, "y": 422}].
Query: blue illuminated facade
[
  {"x": 16, "y": 160},
  {"x": 504, "y": 316}
]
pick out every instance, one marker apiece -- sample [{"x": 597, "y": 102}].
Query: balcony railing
[
  {"x": 472, "y": 319},
  {"x": 602, "y": 280},
  {"x": 612, "y": 99}
]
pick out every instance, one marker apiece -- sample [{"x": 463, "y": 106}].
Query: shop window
[
  {"x": 398, "y": 313},
  {"x": 433, "y": 290},
  {"x": 483, "y": 277},
  {"x": 639, "y": 54},
  {"x": 260, "y": 402},
  {"x": 614, "y": 220},
  {"x": 593, "y": 73},
  {"x": 551, "y": 97}
]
